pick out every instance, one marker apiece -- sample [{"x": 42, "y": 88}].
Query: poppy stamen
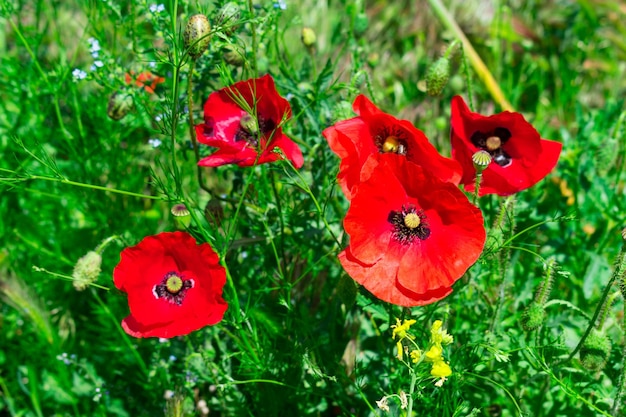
[
  {"x": 173, "y": 288},
  {"x": 391, "y": 144},
  {"x": 412, "y": 220},
  {"x": 391, "y": 140},
  {"x": 409, "y": 224},
  {"x": 492, "y": 143}
]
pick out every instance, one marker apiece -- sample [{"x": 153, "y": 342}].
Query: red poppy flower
[
  {"x": 174, "y": 286},
  {"x": 411, "y": 234},
  {"x": 520, "y": 158},
  {"x": 374, "y": 132},
  {"x": 146, "y": 79},
  {"x": 244, "y": 121}
]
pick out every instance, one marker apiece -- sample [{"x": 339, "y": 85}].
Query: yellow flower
[
  {"x": 438, "y": 335},
  {"x": 416, "y": 355},
  {"x": 434, "y": 354},
  {"x": 441, "y": 369},
  {"x": 401, "y": 329}
]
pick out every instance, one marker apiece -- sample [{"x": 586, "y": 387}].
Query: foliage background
[{"x": 306, "y": 341}]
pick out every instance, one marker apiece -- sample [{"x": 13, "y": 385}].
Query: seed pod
[
  {"x": 438, "y": 76},
  {"x": 227, "y": 17},
  {"x": 120, "y": 104},
  {"x": 182, "y": 216},
  {"x": 196, "y": 35},
  {"x": 86, "y": 270}
]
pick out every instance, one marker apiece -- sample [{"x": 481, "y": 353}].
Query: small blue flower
[
  {"x": 280, "y": 4},
  {"x": 79, "y": 74}
]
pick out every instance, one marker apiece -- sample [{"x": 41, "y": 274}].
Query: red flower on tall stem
[
  {"x": 146, "y": 79},
  {"x": 374, "y": 132},
  {"x": 174, "y": 286},
  {"x": 244, "y": 122},
  {"x": 411, "y": 234},
  {"x": 520, "y": 157}
]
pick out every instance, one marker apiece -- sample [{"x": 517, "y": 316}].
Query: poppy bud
[
  {"x": 595, "y": 350},
  {"x": 226, "y": 18},
  {"x": 120, "y": 104},
  {"x": 214, "y": 213},
  {"x": 233, "y": 55},
  {"x": 86, "y": 270},
  {"x": 182, "y": 216},
  {"x": 196, "y": 35},
  {"x": 360, "y": 24},
  {"x": 308, "y": 37},
  {"x": 534, "y": 317},
  {"x": 437, "y": 77}
]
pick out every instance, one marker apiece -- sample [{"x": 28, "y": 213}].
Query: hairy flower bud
[
  {"x": 86, "y": 270},
  {"x": 196, "y": 35},
  {"x": 595, "y": 350},
  {"x": 227, "y": 17},
  {"x": 233, "y": 55},
  {"x": 534, "y": 317},
  {"x": 120, "y": 104},
  {"x": 308, "y": 37},
  {"x": 437, "y": 77}
]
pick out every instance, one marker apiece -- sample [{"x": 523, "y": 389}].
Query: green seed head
[
  {"x": 196, "y": 35},
  {"x": 534, "y": 317},
  {"x": 595, "y": 351},
  {"x": 86, "y": 270}
]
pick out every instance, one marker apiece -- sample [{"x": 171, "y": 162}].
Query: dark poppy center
[
  {"x": 173, "y": 288},
  {"x": 391, "y": 140},
  {"x": 253, "y": 129},
  {"x": 492, "y": 143},
  {"x": 409, "y": 224}
]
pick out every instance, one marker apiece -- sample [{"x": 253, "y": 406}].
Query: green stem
[
  {"x": 138, "y": 358},
  {"x": 254, "y": 39},
  {"x": 479, "y": 66},
  {"x": 192, "y": 127},
  {"x": 622, "y": 377},
  {"x": 409, "y": 411},
  {"x": 95, "y": 187},
  {"x": 479, "y": 177}
]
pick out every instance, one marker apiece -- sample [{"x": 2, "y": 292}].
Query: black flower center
[
  {"x": 391, "y": 140},
  {"x": 253, "y": 129},
  {"x": 173, "y": 288},
  {"x": 409, "y": 224},
  {"x": 492, "y": 142}
]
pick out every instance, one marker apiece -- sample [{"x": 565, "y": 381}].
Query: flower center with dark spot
[
  {"x": 173, "y": 288},
  {"x": 391, "y": 140},
  {"x": 492, "y": 143},
  {"x": 409, "y": 224},
  {"x": 252, "y": 129}
]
